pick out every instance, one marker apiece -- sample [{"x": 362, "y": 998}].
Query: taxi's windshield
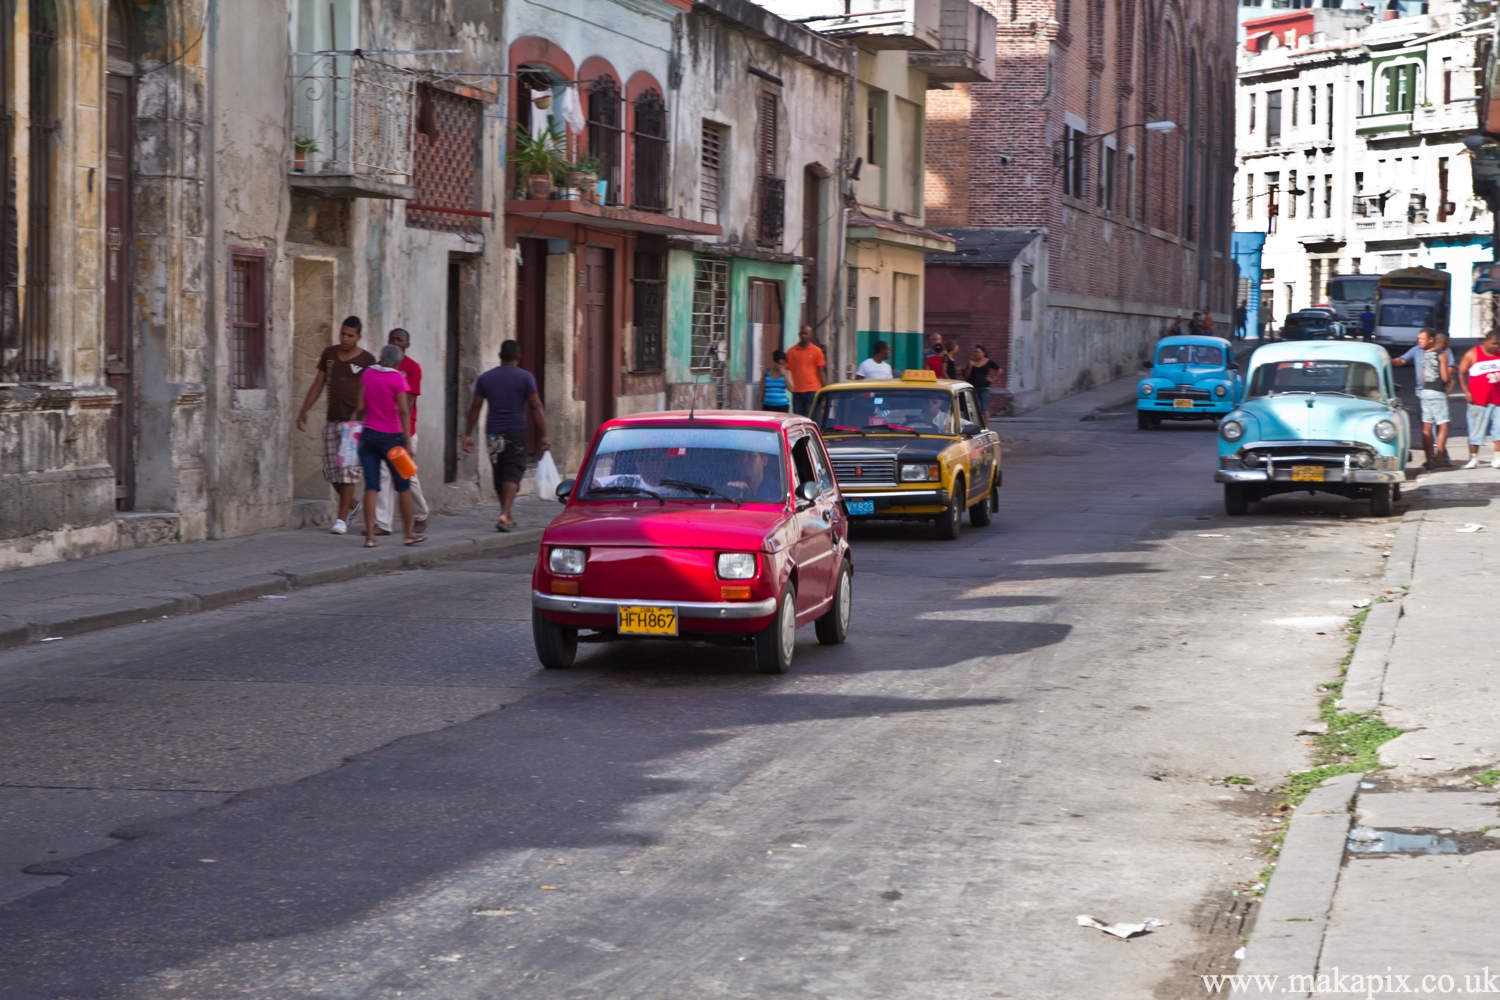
[
  {"x": 1189, "y": 354},
  {"x": 1348, "y": 378},
  {"x": 739, "y": 464},
  {"x": 922, "y": 411}
]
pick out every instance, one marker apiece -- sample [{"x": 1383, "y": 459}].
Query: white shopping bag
[
  {"x": 547, "y": 477},
  {"x": 349, "y": 435}
]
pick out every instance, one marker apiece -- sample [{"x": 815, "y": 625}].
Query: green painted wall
[{"x": 681, "y": 269}]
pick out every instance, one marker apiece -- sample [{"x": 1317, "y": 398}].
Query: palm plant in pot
[
  {"x": 538, "y": 159},
  {"x": 302, "y": 148}
]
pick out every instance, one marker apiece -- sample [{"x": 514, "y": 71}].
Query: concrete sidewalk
[
  {"x": 1417, "y": 852},
  {"x": 67, "y": 598}
]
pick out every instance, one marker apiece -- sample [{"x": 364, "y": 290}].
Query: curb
[
  {"x": 129, "y": 610},
  {"x": 1288, "y": 936},
  {"x": 1366, "y": 675}
]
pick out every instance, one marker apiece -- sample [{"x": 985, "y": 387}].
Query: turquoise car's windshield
[
  {"x": 1190, "y": 354},
  {"x": 1348, "y": 378},
  {"x": 687, "y": 463}
]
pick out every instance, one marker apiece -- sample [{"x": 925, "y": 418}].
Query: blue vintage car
[
  {"x": 1320, "y": 416},
  {"x": 1192, "y": 378}
]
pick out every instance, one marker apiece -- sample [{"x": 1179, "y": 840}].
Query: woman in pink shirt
[{"x": 385, "y": 405}]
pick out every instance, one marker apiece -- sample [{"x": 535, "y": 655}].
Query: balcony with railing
[
  {"x": 772, "y": 211},
  {"x": 877, "y": 24},
  {"x": 966, "y": 48},
  {"x": 352, "y": 122},
  {"x": 1383, "y": 122}
]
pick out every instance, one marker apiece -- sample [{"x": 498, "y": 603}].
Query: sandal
[
  {"x": 415, "y": 540},
  {"x": 504, "y": 525},
  {"x": 369, "y": 543}
]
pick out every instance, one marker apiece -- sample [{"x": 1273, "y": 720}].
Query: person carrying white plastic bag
[
  {"x": 546, "y": 477},
  {"x": 511, "y": 393}
]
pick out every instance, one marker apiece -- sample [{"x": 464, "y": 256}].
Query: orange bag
[{"x": 402, "y": 461}]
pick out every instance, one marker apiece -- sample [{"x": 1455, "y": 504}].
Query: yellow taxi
[{"x": 913, "y": 448}]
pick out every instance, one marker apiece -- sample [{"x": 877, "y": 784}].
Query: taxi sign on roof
[{"x": 919, "y": 375}]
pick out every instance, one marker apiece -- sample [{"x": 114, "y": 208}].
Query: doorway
[
  {"x": 531, "y": 322},
  {"x": 119, "y": 341},
  {"x": 766, "y": 326},
  {"x": 312, "y": 331},
  {"x": 598, "y": 342}
]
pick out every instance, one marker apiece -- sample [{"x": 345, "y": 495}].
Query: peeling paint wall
[{"x": 333, "y": 256}]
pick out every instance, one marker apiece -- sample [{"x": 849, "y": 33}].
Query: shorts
[
  {"x": 1434, "y": 406},
  {"x": 1484, "y": 421},
  {"x": 374, "y": 446},
  {"x": 775, "y": 407},
  {"x": 333, "y": 435},
  {"x": 507, "y": 457}
]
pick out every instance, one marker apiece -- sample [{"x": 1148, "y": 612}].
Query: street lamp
[{"x": 1059, "y": 148}]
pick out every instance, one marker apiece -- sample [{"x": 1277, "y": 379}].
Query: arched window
[
  {"x": 35, "y": 362},
  {"x": 605, "y": 134},
  {"x": 650, "y": 140}
]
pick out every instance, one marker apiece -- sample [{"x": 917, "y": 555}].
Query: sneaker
[
  {"x": 339, "y": 527},
  {"x": 1472, "y": 463},
  {"x": 1496, "y": 463},
  {"x": 354, "y": 511}
]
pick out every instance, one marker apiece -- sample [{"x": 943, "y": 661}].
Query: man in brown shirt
[{"x": 338, "y": 369}]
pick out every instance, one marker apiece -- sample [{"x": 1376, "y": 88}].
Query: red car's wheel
[
  {"x": 833, "y": 627},
  {"x": 774, "y": 643},
  {"x": 555, "y": 645}
]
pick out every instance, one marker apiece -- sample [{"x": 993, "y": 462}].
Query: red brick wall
[{"x": 1114, "y": 63}]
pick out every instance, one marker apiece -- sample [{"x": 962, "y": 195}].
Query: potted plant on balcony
[
  {"x": 583, "y": 177},
  {"x": 538, "y": 159},
  {"x": 302, "y": 147}
]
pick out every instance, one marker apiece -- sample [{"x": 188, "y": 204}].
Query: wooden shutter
[
  {"x": 711, "y": 162},
  {"x": 765, "y": 140}
]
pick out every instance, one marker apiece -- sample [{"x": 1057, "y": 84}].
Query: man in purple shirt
[{"x": 511, "y": 394}]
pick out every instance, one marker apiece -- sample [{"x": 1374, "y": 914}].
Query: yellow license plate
[
  {"x": 1307, "y": 473},
  {"x": 639, "y": 620},
  {"x": 1182, "y": 404}
]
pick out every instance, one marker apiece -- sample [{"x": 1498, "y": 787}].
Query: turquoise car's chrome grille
[{"x": 1202, "y": 395}]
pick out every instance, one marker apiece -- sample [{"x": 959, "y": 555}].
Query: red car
[{"x": 724, "y": 526}]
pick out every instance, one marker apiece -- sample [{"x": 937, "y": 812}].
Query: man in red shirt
[
  {"x": 385, "y": 504},
  {"x": 809, "y": 370}
]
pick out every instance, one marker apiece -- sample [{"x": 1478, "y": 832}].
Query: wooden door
[
  {"x": 598, "y": 338},
  {"x": 531, "y": 321},
  {"x": 119, "y": 345}
]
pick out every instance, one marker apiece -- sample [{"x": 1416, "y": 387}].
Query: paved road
[{"x": 371, "y": 790}]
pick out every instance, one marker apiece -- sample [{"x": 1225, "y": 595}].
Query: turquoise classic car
[
  {"x": 1192, "y": 378},
  {"x": 1320, "y": 416}
]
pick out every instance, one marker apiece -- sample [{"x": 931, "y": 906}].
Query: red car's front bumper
[{"x": 731, "y": 617}]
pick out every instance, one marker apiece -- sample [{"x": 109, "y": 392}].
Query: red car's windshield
[{"x": 742, "y": 464}]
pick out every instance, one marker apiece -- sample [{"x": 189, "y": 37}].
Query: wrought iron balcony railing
[
  {"x": 772, "y": 210},
  {"x": 352, "y": 122}
]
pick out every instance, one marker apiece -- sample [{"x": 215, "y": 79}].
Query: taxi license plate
[
  {"x": 1182, "y": 404},
  {"x": 860, "y": 507},
  {"x": 640, "y": 620},
  {"x": 1307, "y": 473}
]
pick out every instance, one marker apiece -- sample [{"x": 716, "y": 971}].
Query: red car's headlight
[{"x": 736, "y": 565}]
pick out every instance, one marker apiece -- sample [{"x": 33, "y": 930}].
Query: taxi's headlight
[
  {"x": 568, "y": 562},
  {"x": 919, "y": 473},
  {"x": 736, "y": 565},
  {"x": 1148, "y": 389},
  {"x": 1220, "y": 391},
  {"x": 1385, "y": 430},
  {"x": 1232, "y": 430}
]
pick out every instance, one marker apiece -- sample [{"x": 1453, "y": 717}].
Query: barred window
[
  {"x": 650, "y": 284},
  {"x": 710, "y": 314},
  {"x": 35, "y": 358},
  {"x": 605, "y": 133},
  {"x": 247, "y": 319},
  {"x": 650, "y": 138}
]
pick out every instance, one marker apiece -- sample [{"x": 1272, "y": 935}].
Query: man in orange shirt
[{"x": 809, "y": 370}]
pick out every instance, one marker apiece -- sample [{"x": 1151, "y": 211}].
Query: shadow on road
[{"x": 559, "y": 770}]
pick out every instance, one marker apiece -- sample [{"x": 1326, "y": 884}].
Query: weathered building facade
[
  {"x": 102, "y": 366},
  {"x": 1137, "y": 221},
  {"x": 200, "y": 193},
  {"x": 1352, "y": 155}
]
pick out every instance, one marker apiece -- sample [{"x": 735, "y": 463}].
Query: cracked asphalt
[{"x": 372, "y": 790}]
